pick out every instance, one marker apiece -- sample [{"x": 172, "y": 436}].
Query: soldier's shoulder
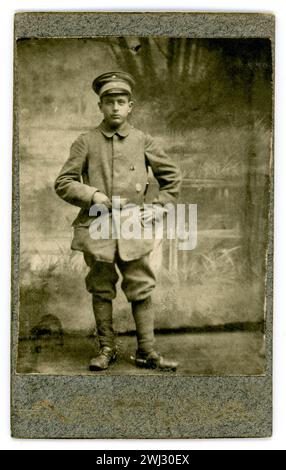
[
  {"x": 139, "y": 133},
  {"x": 81, "y": 136},
  {"x": 88, "y": 135},
  {"x": 91, "y": 132},
  {"x": 148, "y": 139},
  {"x": 135, "y": 130}
]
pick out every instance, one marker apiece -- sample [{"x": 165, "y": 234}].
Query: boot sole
[
  {"x": 98, "y": 369},
  {"x": 144, "y": 365}
]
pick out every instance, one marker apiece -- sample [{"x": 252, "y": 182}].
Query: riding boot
[
  {"x": 103, "y": 316},
  {"x": 144, "y": 320},
  {"x": 146, "y": 356}
]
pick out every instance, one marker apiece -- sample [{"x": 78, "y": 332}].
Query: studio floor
[{"x": 212, "y": 353}]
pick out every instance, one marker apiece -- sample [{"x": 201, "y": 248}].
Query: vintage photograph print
[
  {"x": 142, "y": 225},
  {"x": 144, "y": 176}
]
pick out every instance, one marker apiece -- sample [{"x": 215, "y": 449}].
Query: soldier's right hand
[{"x": 100, "y": 198}]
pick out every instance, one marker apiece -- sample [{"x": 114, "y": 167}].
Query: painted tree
[
  {"x": 205, "y": 82},
  {"x": 201, "y": 79}
]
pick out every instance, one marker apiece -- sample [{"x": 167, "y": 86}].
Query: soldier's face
[{"x": 115, "y": 109}]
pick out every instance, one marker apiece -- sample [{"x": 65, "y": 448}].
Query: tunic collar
[{"x": 109, "y": 132}]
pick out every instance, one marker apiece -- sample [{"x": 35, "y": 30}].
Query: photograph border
[{"x": 156, "y": 407}]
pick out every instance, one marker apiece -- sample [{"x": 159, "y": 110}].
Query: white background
[{"x": 278, "y": 7}]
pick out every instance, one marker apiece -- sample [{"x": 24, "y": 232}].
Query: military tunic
[{"x": 115, "y": 163}]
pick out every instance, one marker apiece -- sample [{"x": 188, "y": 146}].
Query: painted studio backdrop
[{"x": 209, "y": 103}]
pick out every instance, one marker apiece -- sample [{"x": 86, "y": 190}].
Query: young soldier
[{"x": 112, "y": 160}]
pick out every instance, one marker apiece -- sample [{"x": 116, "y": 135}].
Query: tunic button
[
  {"x": 138, "y": 187},
  {"x": 132, "y": 168}
]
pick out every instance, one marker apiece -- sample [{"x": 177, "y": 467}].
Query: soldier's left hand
[{"x": 153, "y": 213}]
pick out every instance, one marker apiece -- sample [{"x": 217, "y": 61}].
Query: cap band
[{"x": 120, "y": 86}]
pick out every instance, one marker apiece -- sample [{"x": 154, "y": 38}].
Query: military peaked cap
[{"x": 113, "y": 82}]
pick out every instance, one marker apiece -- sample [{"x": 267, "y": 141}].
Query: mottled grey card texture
[{"x": 203, "y": 104}]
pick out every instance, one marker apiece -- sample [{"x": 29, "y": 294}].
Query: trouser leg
[
  {"x": 101, "y": 279},
  {"x": 138, "y": 283},
  {"x": 144, "y": 320},
  {"x": 101, "y": 283},
  {"x": 139, "y": 279},
  {"x": 102, "y": 309}
]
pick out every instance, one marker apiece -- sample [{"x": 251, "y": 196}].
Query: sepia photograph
[
  {"x": 145, "y": 182},
  {"x": 142, "y": 225}
]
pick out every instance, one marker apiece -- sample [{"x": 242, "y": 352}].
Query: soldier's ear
[
  {"x": 130, "y": 106},
  {"x": 99, "y": 105}
]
